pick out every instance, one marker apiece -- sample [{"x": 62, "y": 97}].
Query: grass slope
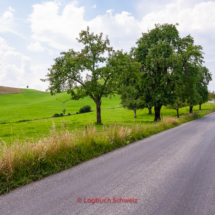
[{"x": 35, "y": 104}]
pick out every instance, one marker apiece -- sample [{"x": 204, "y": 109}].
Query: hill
[
  {"x": 10, "y": 90},
  {"x": 34, "y": 104}
]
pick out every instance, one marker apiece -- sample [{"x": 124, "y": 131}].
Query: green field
[
  {"x": 38, "y": 106},
  {"x": 26, "y": 154}
]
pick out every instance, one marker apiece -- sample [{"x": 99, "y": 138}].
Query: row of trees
[
  {"x": 211, "y": 95},
  {"x": 163, "y": 69}
]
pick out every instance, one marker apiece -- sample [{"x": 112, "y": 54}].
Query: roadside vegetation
[{"x": 22, "y": 163}]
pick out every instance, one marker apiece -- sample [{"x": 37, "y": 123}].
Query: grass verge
[{"x": 23, "y": 163}]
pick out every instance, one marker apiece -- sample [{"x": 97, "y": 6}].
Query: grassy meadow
[
  {"x": 31, "y": 150},
  {"x": 39, "y": 107}
]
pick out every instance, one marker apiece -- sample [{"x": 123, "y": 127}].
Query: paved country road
[{"x": 169, "y": 173}]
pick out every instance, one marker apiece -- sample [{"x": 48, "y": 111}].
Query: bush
[
  {"x": 61, "y": 114},
  {"x": 56, "y": 115},
  {"x": 69, "y": 114},
  {"x": 77, "y": 113},
  {"x": 85, "y": 109}
]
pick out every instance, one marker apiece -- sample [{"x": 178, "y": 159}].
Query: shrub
[
  {"x": 77, "y": 113},
  {"x": 56, "y": 115},
  {"x": 61, "y": 114},
  {"x": 85, "y": 109},
  {"x": 69, "y": 114}
]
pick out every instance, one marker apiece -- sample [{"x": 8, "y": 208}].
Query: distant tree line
[
  {"x": 162, "y": 70},
  {"x": 211, "y": 95}
]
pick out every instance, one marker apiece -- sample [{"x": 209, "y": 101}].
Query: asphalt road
[{"x": 169, "y": 173}]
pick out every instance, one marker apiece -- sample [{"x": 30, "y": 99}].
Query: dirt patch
[{"x": 10, "y": 90}]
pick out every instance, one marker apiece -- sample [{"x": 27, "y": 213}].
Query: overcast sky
[{"x": 33, "y": 33}]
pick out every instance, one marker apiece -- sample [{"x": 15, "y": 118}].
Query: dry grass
[
  {"x": 171, "y": 120},
  {"x": 10, "y": 90},
  {"x": 27, "y": 153}
]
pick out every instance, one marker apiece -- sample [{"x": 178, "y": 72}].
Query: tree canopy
[
  {"x": 129, "y": 83},
  {"x": 171, "y": 67},
  {"x": 66, "y": 73}
]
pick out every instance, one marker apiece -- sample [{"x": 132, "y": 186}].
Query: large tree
[
  {"x": 66, "y": 73},
  {"x": 170, "y": 66},
  {"x": 154, "y": 52}
]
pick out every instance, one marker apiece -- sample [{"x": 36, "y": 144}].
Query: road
[{"x": 169, "y": 173}]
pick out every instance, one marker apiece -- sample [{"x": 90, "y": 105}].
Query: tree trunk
[
  {"x": 98, "y": 112},
  {"x": 200, "y": 106},
  {"x": 191, "y": 109},
  {"x": 177, "y": 112},
  {"x": 135, "y": 113},
  {"x": 150, "y": 110},
  {"x": 157, "y": 113}
]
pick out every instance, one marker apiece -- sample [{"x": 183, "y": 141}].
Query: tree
[
  {"x": 129, "y": 82},
  {"x": 65, "y": 74},
  {"x": 150, "y": 110},
  {"x": 130, "y": 99},
  {"x": 154, "y": 52},
  {"x": 177, "y": 104},
  {"x": 191, "y": 60},
  {"x": 211, "y": 95},
  {"x": 170, "y": 65},
  {"x": 204, "y": 79}
]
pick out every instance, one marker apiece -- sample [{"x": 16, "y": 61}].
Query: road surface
[{"x": 169, "y": 173}]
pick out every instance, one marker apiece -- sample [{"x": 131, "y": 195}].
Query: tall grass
[{"x": 22, "y": 163}]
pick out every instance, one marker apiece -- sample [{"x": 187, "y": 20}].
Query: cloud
[
  {"x": 4, "y": 46},
  {"x": 11, "y": 9},
  {"x": 58, "y": 26},
  {"x": 94, "y": 6},
  {"x": 35, "y": 47},
  {"x": 17, "y": 69},
  {"x": 7, "y": 16},
  {"x": 59, "y": 32},
  {"x": 6, "y": 21}
]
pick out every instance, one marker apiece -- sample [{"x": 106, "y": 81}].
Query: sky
[{"x": 34, "y": 33}]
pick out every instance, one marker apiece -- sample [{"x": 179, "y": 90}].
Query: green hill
[{"x": 35, "y": 104}]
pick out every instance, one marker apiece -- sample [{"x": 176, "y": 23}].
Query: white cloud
[
  {"x": 11, "y": 9},
  {"x": 35, "y": 47},
  {"x": 7, "y": 16},
  {"x": 94, "y": 6},
  {"x": 110, "y": 11},
  {"x": 6, "y": 21},
  {"x": 4, "y": 46},
  {"x": 17, "y": 69},
  {"x": 200, "y": 17},
  {"x": 59, "y": 30}
]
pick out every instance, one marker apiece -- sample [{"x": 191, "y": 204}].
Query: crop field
[{"x": 28, "y": 116}]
